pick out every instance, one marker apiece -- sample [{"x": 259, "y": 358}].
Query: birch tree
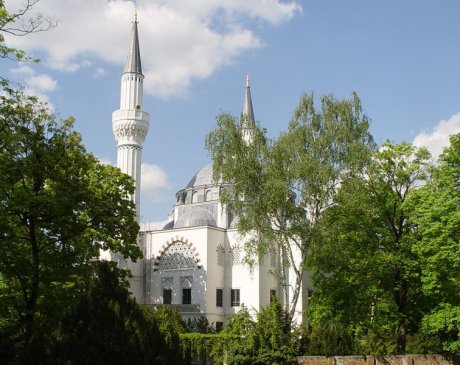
[{"x": 279, "y": 188}]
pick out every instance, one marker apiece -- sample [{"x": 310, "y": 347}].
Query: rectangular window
[
  {"x": 235, "y": 297},
  {"x": 219, "y": 326},
  {"x": 219, "y": 297},
  {"x": 167, "y": 296},
  {"x": 186, "y": 296},
  {"x": 272, "y": 295}
]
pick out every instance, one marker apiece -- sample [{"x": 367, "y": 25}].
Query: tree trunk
[
  {"x": 400, "y": 296},
  {"x": 34, "y": 293},
  {"x": 296, "y": 292}
]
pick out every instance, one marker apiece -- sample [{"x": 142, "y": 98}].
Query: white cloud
[
  {"x": 36, "y": 84},
  {"x": 438, "y": 138},
  {"x": 23, "y": 70},
  {"x": 105, "y": 160},
  {"x": 42, "y": 82},
  {"x": 181, "y": 40},
  {"x": 99, "y": 72},
  {"x": 154, "y": 182}
]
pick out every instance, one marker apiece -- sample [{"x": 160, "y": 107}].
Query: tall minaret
[
  {"x": 130, "y": 123},
  {"x": 247, "y": 119}
]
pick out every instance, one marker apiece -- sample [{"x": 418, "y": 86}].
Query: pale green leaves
[{"x": 279, "y": 188}]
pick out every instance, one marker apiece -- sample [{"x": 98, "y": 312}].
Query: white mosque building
[{"x": 195, "y": 262}]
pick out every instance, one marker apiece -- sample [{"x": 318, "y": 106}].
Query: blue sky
[{"x": 402, "y": 57}]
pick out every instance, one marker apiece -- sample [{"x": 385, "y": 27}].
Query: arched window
[{"x": 178, "y": 256}]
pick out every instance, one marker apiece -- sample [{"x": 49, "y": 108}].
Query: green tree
[
  {"x": 170, "y": 321},
  {"x": 280, "y": 188},
  {"x": 437, "y": 206},
  {"x": 268, "y": 340},
  {"x": 107, "y": 326},
  {"x": 59, "y": 207},
  {"x": 367, "y": 274},
  {"x": 19, "y": 24},
  {"x": 239, "y": 344},
  {"x": 330, "y": 339},
  {"x": 272, "y": 334}
]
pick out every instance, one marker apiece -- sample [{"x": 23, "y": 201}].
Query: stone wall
[{"x": 369, "y": 360}]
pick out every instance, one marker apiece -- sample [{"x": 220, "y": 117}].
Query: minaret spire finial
[
  {"x": 133, "y": 62},
  {"x": 247, "y": 117},
  {"x": 248, "y": 113}
]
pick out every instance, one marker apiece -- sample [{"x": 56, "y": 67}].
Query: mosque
[{"x": 195, "y": 262}]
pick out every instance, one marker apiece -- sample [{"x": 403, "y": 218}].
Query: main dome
[
  {"x": 198, "y": 203},
  {"x": 202, "y": 177}
]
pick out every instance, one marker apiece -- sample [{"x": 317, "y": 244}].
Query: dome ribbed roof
[
  {"x": 202, "y": 177},
  {"x": 195, "y": 217}
]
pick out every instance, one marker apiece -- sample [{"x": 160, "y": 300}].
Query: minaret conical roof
[
  {"x": 133, "y": 62},
  {"x": 248, "y": 112}
]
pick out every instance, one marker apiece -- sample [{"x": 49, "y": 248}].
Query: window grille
[
  {"x": 177, "y": 256},
  {"x": 235, "y": 297},
  {"x": 236, "y": 255}
]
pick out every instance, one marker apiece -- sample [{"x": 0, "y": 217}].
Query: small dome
[
  {"x": 202, "y": 177},
  {"x": 169, "y": 225},
  {"x": 195, "y": 217}
]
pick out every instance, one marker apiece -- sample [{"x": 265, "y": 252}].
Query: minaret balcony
[
  {"x": 130, "y": 114},
  {"x": 130, "y": 126}
]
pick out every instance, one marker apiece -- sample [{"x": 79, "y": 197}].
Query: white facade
[
  {"x": 201, "y": 252},
  {"x": 195, "y": 263}
]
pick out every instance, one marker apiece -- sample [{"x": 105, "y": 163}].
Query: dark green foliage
[
  {"x": 272, "y": 336},
  {"x": 244, "y": 341},
  {"x": 200, "y": 325},
  {"x": 368, "y": 272},
  {"x": 240, "y": 323},
  {"x": 170, "y": 324},
  {"x": 331, "y": 339},
  {"x": 269, "y": 340},
  {"x": 108, "y": 327},
  {"x": 201, "y": 346},
  {"x": 59, "y": 207}
]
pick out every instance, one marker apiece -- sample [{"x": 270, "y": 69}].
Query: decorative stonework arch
[
  {"x": 195, "y": 196},
  {"x": 178, "y": 253}
]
